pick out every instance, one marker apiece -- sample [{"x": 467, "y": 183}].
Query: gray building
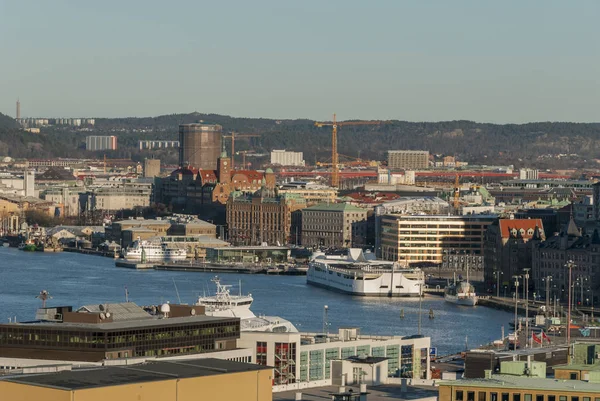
[
  {"x": 334, "y": 225},
  {"x": 200, "y": 145},
  {"x": 408, "y": 159},
  {"x": 151, "y": 168}
]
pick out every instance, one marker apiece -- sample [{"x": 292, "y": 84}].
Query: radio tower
[{"x": 18, "y": 109}]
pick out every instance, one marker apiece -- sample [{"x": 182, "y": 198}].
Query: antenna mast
[{"x": 176, "y": 291}]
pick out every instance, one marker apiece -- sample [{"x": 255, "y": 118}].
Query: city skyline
[{"x": 414, "y": 61}]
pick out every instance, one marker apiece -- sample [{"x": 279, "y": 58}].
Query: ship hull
[
  {"x": 468, "y": 301},
  {"x": 376, "y": 285}
]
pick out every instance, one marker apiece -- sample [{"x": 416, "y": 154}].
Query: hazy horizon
[{"x": 488, "y": 62}]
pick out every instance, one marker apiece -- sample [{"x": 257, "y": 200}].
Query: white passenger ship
[
  {"x": 461, "y": 293},
  {"x": 359, "y": 273},
  {"x": 226, "y": 305},
  {"x": 146, "y": 251}
]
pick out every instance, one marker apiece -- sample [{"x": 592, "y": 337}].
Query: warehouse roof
[
  {"x": 525, "y": 382},
  {"x": 107, "y": 376}
]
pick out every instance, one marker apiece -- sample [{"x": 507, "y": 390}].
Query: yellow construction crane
[
  {"x": 335, "y": 169},
  {"x": 234, "y": 135},
  {"x": 243, "y": 153}
]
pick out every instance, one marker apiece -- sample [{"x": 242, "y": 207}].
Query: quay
[{"x": 207, "y": 267}]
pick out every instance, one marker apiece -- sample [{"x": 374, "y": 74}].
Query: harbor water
[{"x": 75, "y": 279}]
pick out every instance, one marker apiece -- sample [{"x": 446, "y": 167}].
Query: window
[
  {"x": 504, "y": 396},
  {"x": 459, "y": 395},
  {"x": 586, "y": 399},
  {"x": 562, "y": 398},
  {"x": 528, "y": 397},
  {"x": 574, "y": 398},
  {"x": 573, "y": 375},
  {"x": 539, "y": 397},
  {"x": 470, "y": 396},
  {"x": 493, "y": 396},
  {"x": 482, "y": 396},
  {"x": 516, "y": 397},
  {"x": 553, "y": 398}
]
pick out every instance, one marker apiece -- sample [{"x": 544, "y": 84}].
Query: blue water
[{"x": 74, "y": 279}]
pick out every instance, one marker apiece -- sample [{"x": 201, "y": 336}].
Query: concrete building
[
  {"x": 338, "y": 225},
  {"x": 18, "y": 184},
  {"x": 408, "y": 159},
  {"x": 199, "y": 145},
  {"x": 549, "y": 263},
  {"x": 96, "y": 142},
  {"x": 311, "y": 192},
  {"x": 261, "y": 217},
  {"x": 508, "y": 249},
  {"x": 67, "y": 197},
  {"x": 596, "y": 200},
  {"x": 583, "y": 212},
  {"x": 529, "y": 174},
  {"x": 210, "y": 379},
  {"x": 151, "y": 168},
  {"x": 422, "y": 239},
  {"x": 111, "y": 199},
  {"x": 287, "y": 158}
]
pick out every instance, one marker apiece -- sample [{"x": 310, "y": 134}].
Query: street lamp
[
  {"x": 325, "y": 324},
  {"x": 516, "y": 302},
  {"x": 497, "y": 274},
  {"x": 570, "y": 265},
  {"x": 526, "y": 291}
]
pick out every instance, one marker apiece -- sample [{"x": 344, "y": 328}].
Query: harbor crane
[
  {"x": 334, "y": 124},
  {"x": 234, "y": 135}
]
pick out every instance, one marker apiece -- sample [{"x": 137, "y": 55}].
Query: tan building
[
  {"x": 151, "y": 168},
  {"x": 422, "y": 239},
  {"x": 264, "y": 216},
  {"x": 207, "y": 379},
  {"x": 313, "y": 195},
  {"x": 408, "y": 159},
  {"x": 337, "y": 225},
  {"x": 125, "y": 196}
]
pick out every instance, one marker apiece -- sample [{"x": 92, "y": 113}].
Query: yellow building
[{"x": 200, "y": 379}]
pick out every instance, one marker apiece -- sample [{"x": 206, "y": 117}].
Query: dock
[
  {"x": 206, "y": 267},
  {"x": 133, "y": 265}
]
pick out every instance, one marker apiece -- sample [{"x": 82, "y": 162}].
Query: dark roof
[
  {"x": 147, "y": 372},
  {"x": 368, "y": 360},
  {"x": 56, "y": 174}
]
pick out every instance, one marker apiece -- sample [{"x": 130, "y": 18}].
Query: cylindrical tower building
[{"x": 200, "y": 145}]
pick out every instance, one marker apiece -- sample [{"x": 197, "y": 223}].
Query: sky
[{"x": 423, "y": 60}]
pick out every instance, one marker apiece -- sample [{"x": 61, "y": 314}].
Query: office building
[
  {"x": 408, "y": 159},
  {"x": 207, "y": 379},
  {"x": 508, "y": 249},
  {"x": 308, "y": 357},
  {"x": 596, "y": 200},
  {"x": 126, "y": 196},
  {"x": 338, "y": 225},
  {"x": 313, "y": 193},
  {"x": 96, "y": 142},
  {"x": 287, "y": 158},
  {"x": 151, "y": 168},
  {"x": 261, "y": 217},
  {"x": 422, "y": 239},
  {"x": 110, "y": 331},
  {"x": 199, "y": 145}
]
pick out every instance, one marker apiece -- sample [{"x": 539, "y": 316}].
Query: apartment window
[
  {"x": 553, "y": 398},
  {"x": 528, "y": 397},
  {"x": 493, "y": 396},
  {"x": 459, "y": 395},
  {"x": 562, "y": 398},
  {"x": 504, "y": 396},
  {"x": 587, "y": 399},
  {"x": 539, "y": 397},
  {"x": 574, "y": 398},
  {"x": 470, "y": 396},
  {"x": 516, "y": 397},
  {"x": 482, "y": 396}
]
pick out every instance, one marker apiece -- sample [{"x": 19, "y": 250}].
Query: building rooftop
[
  {"x": 578, "y": 366},
  {"x": 523, "y": 228},
  {"x": 525, "y": 382},
  {"x": 335, "y": 207},
  {"x": 148, "y": 372}
]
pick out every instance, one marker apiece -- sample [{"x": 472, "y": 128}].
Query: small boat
[
  {"x": 27, "y": 246},
  {"x": 461, "y": 293},
  {"x": 274, "y": 270}
]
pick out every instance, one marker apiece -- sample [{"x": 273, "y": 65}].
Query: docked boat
[
  {"x": 146, "y": 251},
  {"x": 461, "y": 293},
  {"x": 360, "y": 273},
  {"x": 224, "y": 304}
]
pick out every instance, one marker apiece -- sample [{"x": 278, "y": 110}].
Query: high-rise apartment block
[
  {"x": 528, "y": 174},
  {"x": 200, "y": 145},
  {"x": 287, "y": 158},
  {"x": 408, "y": 159},
  {"x": 100, "y": 142}
]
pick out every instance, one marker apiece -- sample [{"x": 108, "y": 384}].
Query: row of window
[{"x": 482, "y": 396}]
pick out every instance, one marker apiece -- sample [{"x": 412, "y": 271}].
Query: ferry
[
  {"x": 359, "y": 273},
  {"x": 146, "y": 251},
  {"x": 224, "y": 304},
  {"x": 461, "y": 293}
]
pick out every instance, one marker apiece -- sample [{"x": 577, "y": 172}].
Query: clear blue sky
[{"x": 422, "y": 60}]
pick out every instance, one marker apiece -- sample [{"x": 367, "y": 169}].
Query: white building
[
  {"x": 386, "y": 177},
  {"x": 287, "y": 158},
  {"x": 528, "y": 174},
  {"x": 21, "y": 185},
  {"x": 99, "y": 142}
]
